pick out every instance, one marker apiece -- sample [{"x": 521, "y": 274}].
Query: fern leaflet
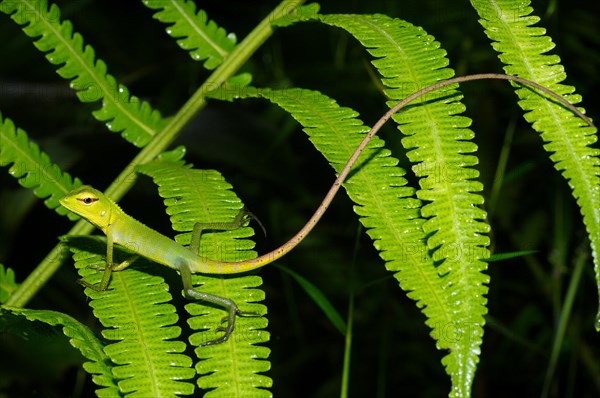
[
  {"x": 76, "y": 62},
  {"x": 33, "y": 168},
  {"x": 135, "y": 311},
  {"x": 191, "y": 196},
  {"x": 522, "y": 47},
  {"x": 437, "y": 140},
  {"x": 194, "y": 32},
  {"x": 386, "y": 205}
]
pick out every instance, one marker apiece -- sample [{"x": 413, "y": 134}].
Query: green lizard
[
  {"x": 122, "y": 229},
  {"x": 126, "y": 231}
]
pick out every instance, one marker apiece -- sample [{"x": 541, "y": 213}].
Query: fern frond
[
  {"x": 438, "y": 143},
  {"x": 135, "y": 120},
  {"x": 135, "y": 311},
  {"x": 232, "y": 368},
  {"x": 235, "y": 368},
  {"x": 523, "y": 48},
  {"x": 7, "y": 283},
  {"x": 80, "y": 337},
  {"x": 386, "y": 205},
  {"x": 33, "y": 168},
  {"x": 195, "y": 33}
]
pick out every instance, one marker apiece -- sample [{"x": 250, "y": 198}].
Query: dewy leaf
[
  {"x": 232, "y": 368},
  {"x": 439, "y": 144},
  {"x": 201, "y": 37},
  {"x": 523, "y": 48},
  {"x": 33, "y": 168},
  {"x": 387, "y": 206},
  {"x": 139, "y": 322},
  {"x": 174, "y": 156},
  {"x": 451, "y": 284},
  {"x": 135, "y": 120},
  {"x": 319, "y": 298}
]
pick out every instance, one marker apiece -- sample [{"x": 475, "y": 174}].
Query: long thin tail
[{"x": 219, "y": 267}]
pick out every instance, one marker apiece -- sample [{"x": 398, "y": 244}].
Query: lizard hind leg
[{"x": 225, "y": 303}]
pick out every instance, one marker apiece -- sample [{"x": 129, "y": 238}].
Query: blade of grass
[
  {"x": 565, "y": 313},
  {"x": 347, "y": 349},
  {"x": 350, "y": 321},
  {"x": 319, "y": 298},
  {"x": 509, "y": 255}
]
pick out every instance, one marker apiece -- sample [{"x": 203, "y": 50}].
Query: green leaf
[
  {"x": 195, "y": 33},
  {"x": 192, "y": 196},
  {"x": 320, "y": 299},
  {"x": 298, "y": 14},
  {"x": 439, "y": 144},
  {"x": 33, "y": 168},
  {"x": 135, "y": 120},
  {"x": 523, "y": 48},
  {"x": 174, "y": 156},
  {"x": 450, "y": 285},
  {"x": 386, "y": 205},
  {"x": 139, "y": 321},
  {"x": 507, "y": 256}
]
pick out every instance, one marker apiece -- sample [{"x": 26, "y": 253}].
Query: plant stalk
[{"x": 125, "y": 180}]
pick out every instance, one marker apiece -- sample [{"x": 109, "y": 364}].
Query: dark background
[{"x": 281, "y": 178}]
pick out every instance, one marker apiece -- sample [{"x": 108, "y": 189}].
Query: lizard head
[{"x": 92, "y": 205}]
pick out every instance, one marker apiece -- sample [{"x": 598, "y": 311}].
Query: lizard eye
[{"x": 88, "y": 200}]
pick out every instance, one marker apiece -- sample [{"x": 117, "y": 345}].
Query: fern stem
[
  {"x": 197, "y": 101},
  {"x": 125, "y": 180}
]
